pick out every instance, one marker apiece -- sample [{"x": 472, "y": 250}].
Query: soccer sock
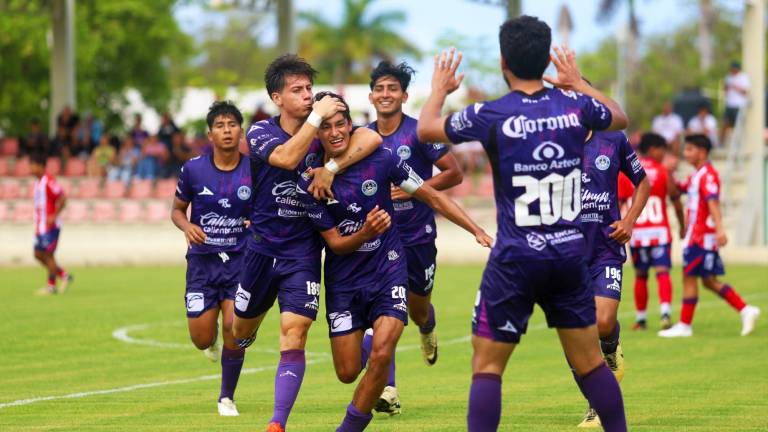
[
  {"x": 391, "y": 378},
  {"x": 366, "y": 349},
  {"x": 604, "y": 395},
  {"x": 484, "y": 403},
  {"x": 609, "y": 343},
  {"x": 52, "y": 280},
  {"x": 430, "y": 325},
  {"x": 231, "y": 364},
  {"x": 576, "y": 377},
  {"x": 354, "y": 421},
  {"x": 641, "y": 296},
  {"x": 288, "y": 378},
  {"x": 665, "y": 292},
  {"x": 732, "y": 297},
  {"x": 689, "y": 306},
  {"x": 60, "y": 272}
]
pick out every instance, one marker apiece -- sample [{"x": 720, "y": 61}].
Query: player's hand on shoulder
[
  {"x": 376, "y": 223},
  {"x": 322, "y": 179},
  {"x": 194, "y": 234},
  {"x": 398, "y": 194},
  {"x": 444, "y": 78},
  {"x": 328, "y": 106},
  {"x": 568, "y": 74},
  {"x": 484, "y": 239},
  {"x": 622, "y": 231}
]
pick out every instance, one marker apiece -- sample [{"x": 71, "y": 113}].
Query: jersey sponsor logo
[
  {"x": 288, "y": 374},
  {"x": 347, "y": 227},
  {"x": 285, "y": 193},
  {"x": 603, "y": 162},
  {"x": 585, "y": 178},
  {"x": 205, "y": 191},
  {"x": 354, "y": 208},
  {"x": 536, "y": 241},
  {"x": 224, "y": 202},
  {"x": 402, "y": 205},
  {"x": 195, "y": 302},
  {"x": 392, "y": 255},
  {"x": 526, "y": 100},
  {"x": 340, "y": 321},
  {"x": 242, "y": 298},
  {"x": 438, "y": 146},
  {"x": 404, "y": 152},
  {"x": 369, "y": 187},
  {"x": 460, "y": 120},
  {"x": 548, "y": 150},
  {"x": 521, "y": 126},
  {"x": 595, "y": 201},
  {"x": 370, "y": 246},
  {"x": 244, "y": 192},
  {"x": 508, "y": 327}
]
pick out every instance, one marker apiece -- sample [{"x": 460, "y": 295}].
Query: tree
[
  {"x": 481, "y": 62},
  {"x": 344, "y": 52},
  {"x": 606, "y": 12}
]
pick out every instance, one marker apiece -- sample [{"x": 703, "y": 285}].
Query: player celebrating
[
  {"x": 365, "y": 269},
  {"x": 704, "y": 235},
  {"x": 218, "y": 185},
  {"x": 49, "y": 200},
  {"x": 606, "y": 154},
  {"x": 282, "y": 257},
  {"x": 534, "y": 138},
  {"x": 415, "y": 221},
  {"x": 651, "y": 240}
]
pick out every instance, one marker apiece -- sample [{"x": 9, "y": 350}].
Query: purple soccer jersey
[
  {"x": 279, "y": 224},
  {"x": 415, "y": 220},
  {"x": 535, "y": 145},
  {"x": 606, "y": 154},
  {"x": 357, "y": 191},
  {"x": 221, "y": 202}
]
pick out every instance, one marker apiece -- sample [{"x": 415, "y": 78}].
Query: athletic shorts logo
[
  {"x": 603, "y": 162},
  {"x": 404, "y": 152},
  {"x": 548, "y": 150},
  {"x": 242, "y": 298},
  {"x": 392, "y": 255},
  {"x": 658, "y": 252},
  {"x": 402, "y": 306},
  {"x": 536, "y": 241},
  {"x": 244, "y": 192},
  {"x": 369, "y": 187},
  {"x": 340, "y": 321},
  {"x": 195, "y": 302}
]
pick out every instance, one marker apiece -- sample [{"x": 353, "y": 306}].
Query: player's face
[
  {"x": 295, "y": 99},
  {"x": 387, "y": 96},
  {"x": 657, "y": 153},
  {"x": 692, "y": 154},
  {"x": 225, "y": 133},
  {"x": 37, "y": 169},
  {"x": 334, "y": 134}
]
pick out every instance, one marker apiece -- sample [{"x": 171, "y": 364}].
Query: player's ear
[
  {"x": 276, "y": 98},
  {"x": 405, "y": 97},
  {"x": 370, "y": 97}
]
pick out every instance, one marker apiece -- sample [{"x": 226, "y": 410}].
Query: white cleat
[
  {"x": 429, "y": 347},
  {"x": 227, "y": 408},
  {"x": 389, "y": 402},
  {"x": 749, "y": 317},
  {"x": 677, "y": 330}
]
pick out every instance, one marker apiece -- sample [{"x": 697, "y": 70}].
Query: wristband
[
  {"x": 314, "y": 119},
  {"x": 332, "y": 166}
]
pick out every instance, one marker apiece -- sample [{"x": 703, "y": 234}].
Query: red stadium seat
[
  {"x": 165, "y": 189},
  {"x": 23, "y": 212},
  {"x": 10, "y": 147},
  {"x": 5, "y": 168},
  {"x": 5, "y": 211},
  {"x": 10, "y": 189},
  {"x": 114, "y": 189},
  {"x": 130, "y": 211},
  {"x": 158, "y": 211},
  {"x": 53, "y": 166},
  {"x": 66, "y": 185},
  {"x": 104, "y": 211},
  {"x": 140, "y": 189},
  {"x": 21, "y": 168},
  {"x": 75, "y": 167},
  {"x": 28, "y": 189},
  {"x": 87, "y": 188},
  {"x": 76, "y": 212}
]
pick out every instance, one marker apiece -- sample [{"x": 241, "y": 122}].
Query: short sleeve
[
  {"x": 594, "y": 114},
  {"x": 630, "y": 164},
  {"x": 317, "y": 212},
  {"x": 54, "y": 189},
  {"x": 261, "y": 141},
  {"x": 710, "y": 187},
  {"x": 433, "y": 151},
  {"x": 468, "y": 124},
  {"x": 404, "y": 176},
  {"x": 184, "y": 186}
]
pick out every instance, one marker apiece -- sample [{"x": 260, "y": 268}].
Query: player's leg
[
  {"x": 606, "y": 281},
  {"x": 42, "y": 258},
  {"x": 749, "y": 313},
  {"x": 690, "y": 299},
  {"x": 203, "y": 326},
  {"x": 421, "y": 261},
  {"x": 661, "y": 259},
  {"x": 640, "y": 260},
  {"x": 232, "y": 359},
  {"x": 489, "y": 359},
  {"x": 66, "y": 278},
  {"x": 256, "y": 293}
]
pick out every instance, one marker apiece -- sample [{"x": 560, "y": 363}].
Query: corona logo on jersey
[{"x": 521, "y": 126}]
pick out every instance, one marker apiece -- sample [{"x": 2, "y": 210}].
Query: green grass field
[{"x": 59, "y": 354}]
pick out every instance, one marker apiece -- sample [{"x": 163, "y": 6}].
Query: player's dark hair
[
  {"x": 401, "y": 72},
  {"x": 651, "y": 140},
  {"x": 223, "y": 108},
  {"x": 699, "y": 140},
  {"x": 38, "y": 158},
  {"x": 344, "y": 113},
  {"x": 283, "y": 66},
  {"x": 525, "y": 42}
]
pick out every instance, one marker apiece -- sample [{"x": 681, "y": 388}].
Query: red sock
[
  {"x": 51, "y": 280},
  {"x": 689, "y": 306},
  {"x": 641, "y": 293},
  {"x": 60, "y": 273},
  {"x": 732, "y": 297},
  {"x": 665, "y": 287}
]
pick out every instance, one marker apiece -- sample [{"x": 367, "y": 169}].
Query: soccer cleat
[
  {"x": 639, "y": 325},
  {"x": 666, "y": 322},
  {"x": 748, "y": 319},
  {"x": 615, "y": 362},
  {"x": 46, "y": 291},
  {"x": 429, "y": 347},
  {"x": 227, "y": 408},
  {"x": 389, "y": 402},
  {"x": 591, "y": 420},
  {"x": 677, "y": 330},
  {"x": 275, "y": 427},
  {"x": 65, "y": 281}
]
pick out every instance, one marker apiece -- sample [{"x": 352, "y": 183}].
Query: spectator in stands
[
  {"x": 167, "y": 129},
  {"x": 127, "y": 158},
  {"x": 669, "y": 125},
  {"x": 471, "y": 156},
  {"x": 704, "y": 123},
  {"x": 736, "y": 97},
  {"x": 259, "y": 114},
  {"x": 153, "y": 156},
  {"x": 35, "y": 141},
  {"x": 66, "y": 124},
  {"x": 138, "y": 133},
  {"x": 103, "y": 158},
  {"x": 178, "y": 155},
  {"x": 89, "y": 133}
]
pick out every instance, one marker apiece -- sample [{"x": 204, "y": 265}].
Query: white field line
[{"x": 454, "y": 341}]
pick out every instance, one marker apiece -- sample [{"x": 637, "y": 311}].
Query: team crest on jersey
[
  {"x": 404, "y": 152},
  {"x": 311, "y": 159},
  {"x": 603, "y": 162},
  {"x": 244, "y": 192},
  {"x": 369, "y": 187}
]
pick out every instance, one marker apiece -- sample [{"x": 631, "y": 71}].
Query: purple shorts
[
  {"x": 645, "y": 257},
  {"x": 421, "y": 260},
  {"x": 295, "y": 283},
  {"x": 357, "y": 308},
  {"x": 606, "y": 280},
  {"x": 509, "y": 290},
  {"x": 211, "y": 279},
  {"x": 701, "y": 262},
  {"x": 48, "y": 241}
]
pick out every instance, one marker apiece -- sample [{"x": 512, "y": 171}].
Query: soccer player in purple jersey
[
  {"x": 415, "y": 220},
  {"x": 218, "y": 186},
  {"x": 606, "y": 154},
  {"x": 282, "y": 257},
  {"x": 534, "y": 137},
  {"x": 365, "y": 269}
]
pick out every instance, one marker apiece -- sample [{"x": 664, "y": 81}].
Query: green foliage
[
  {"x": 345, "y": 52},
  {"x": 480, "y": 62}
]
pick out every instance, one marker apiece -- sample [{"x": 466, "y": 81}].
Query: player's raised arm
[
  {"x": 444, "y": 82},
  {"x": 376, "y": 223},
  {"x": 569, "y": 78}
]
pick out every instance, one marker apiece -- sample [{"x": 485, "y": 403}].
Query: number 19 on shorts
[{"x": 558, "y": 196}]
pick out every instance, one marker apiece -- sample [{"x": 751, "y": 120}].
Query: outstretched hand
[
  {"x": 444, "y": 78},
  {"x": 568, "y": 75},
  {"x": 484, "y": 239}
]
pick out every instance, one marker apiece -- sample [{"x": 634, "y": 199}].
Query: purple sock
[
  {"x": 288, "y": 378},
  {"x": 576, "y": 377},
  {"x": 366, "y": 349},
  {"x": 391, "y": 378},
  {"x": 354, "y": 421},
  {"x": 484, "y": 403},
  {"x": 604, "y": 396},
  {"x": 609, "y": 343},
  {"x": 430, "y": 325},
  {"x": 231, "y": 364}
]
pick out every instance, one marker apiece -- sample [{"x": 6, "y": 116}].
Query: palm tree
[
  {"x": 344, "y": 52},
  {"x": 706, "y": 28},
  {"x": 607, "y": 10}
]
